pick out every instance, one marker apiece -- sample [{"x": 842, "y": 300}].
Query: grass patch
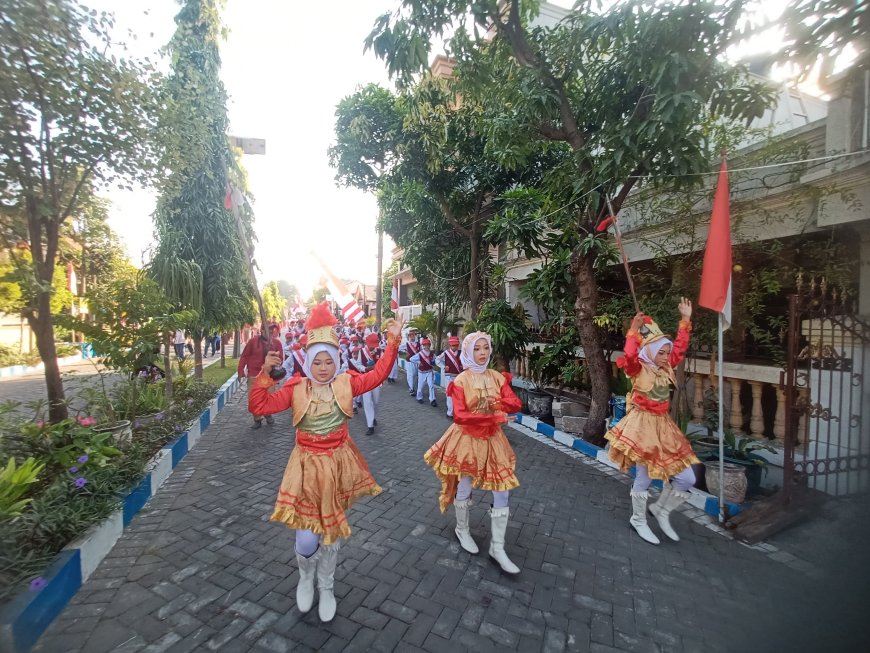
[{"x": 218, "y": 375}]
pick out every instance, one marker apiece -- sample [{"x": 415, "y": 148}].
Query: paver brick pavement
[{"x": 202, "y": 569}]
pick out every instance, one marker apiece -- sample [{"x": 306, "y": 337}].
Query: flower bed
[{"x": 58, "y": 480}]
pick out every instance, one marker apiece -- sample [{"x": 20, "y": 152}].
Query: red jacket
[{"x": 254, "y": 355}]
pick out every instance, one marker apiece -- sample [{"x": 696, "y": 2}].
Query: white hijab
[
  {"x": 648, "y": 354},
  {"x": 467, "y": 352},
  {"x": 311, "y": 352}
]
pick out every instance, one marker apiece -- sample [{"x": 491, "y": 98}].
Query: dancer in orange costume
[
  {"x": 326, "y": 472},
  {"x": 647, "y": 437},
  {"x": 474, "y": 451}
]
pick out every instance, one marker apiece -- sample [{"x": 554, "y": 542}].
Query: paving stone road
[{"x": 202, "y": 569}]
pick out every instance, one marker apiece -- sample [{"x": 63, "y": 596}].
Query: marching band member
[
  {"x": 411, "y": 348},
  {"x": 451, "y": 367},
  {"x": 368, "y": 357},
  {"x": 424, "y": 360},
  {"x": 251, "y": 361}
]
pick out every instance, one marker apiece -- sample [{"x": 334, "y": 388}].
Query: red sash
[
  {"x": 322, "y": 444},
  {"x": 299, "y": 362},
  {"x": 457, "y": 366}
]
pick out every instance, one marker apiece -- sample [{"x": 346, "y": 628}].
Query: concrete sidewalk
[{"x": 202, "y": 568}]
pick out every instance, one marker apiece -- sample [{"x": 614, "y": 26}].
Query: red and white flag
[
  {"x": 716, "y": 274},
  {"x": 394, "y": 295}
]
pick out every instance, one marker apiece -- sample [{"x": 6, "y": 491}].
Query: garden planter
[
  {"x": 735, "y": 481},
  {"x": 145, "y": 420},
  {"x": 122, "y": 431},
  {"x": 540, "y": 403}
]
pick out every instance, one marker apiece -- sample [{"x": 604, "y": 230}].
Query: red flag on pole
[
  {"x": 716, "y": 275},
  {"x": 394, "y": 295}
]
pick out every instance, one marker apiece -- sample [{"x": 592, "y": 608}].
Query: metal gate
[{"x": 827, "y": 444}]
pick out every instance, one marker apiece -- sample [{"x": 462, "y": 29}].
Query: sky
[{"x": 285, "y": 65}]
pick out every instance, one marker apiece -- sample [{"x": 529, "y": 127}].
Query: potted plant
[
  {"x": 741, "y": 459},
  {"x": 101, "y": 405}
]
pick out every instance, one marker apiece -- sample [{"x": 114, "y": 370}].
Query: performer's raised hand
[
  {"x": 272, "y": 361},
  {"x": 637, "y": 322},
  {"x": 394, "y": 326},
  {"x": 685, "y": 308}
]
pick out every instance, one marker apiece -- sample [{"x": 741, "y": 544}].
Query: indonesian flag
[
  {"x": 349, "y": 308},
  {"x": 394, "y": 295},
  {"x": 716, "y": 275},
  {"x": 299, "y": 307}
]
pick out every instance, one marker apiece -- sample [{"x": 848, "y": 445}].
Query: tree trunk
[
  {"x": 167, "y": 365},
  {"x": 197, "y": 357},
  {"x": 223, "y": 350},
  {"x": 43, "y": 328},
  {"x": 585, "y": 308},
  {"x": 474, "y": 277},
  {"x": 237, "y": 346}
]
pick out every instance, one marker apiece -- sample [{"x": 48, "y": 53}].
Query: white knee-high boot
[
  {"x": 499, "y": 520},
  {"x": 326, "y": 579},
  {"x": 463, "y": 532},
  {"x": 662, "y": 509},
  {"x": 638, "y": 517},
  {"x": 305, "y": 586}
]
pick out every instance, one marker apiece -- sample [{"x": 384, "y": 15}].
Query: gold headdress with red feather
[{"x": 319, "y": 326}]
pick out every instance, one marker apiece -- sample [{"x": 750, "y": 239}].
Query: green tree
[
  {"x": 288, "y": 291},
  {"x": 274, "y": 302},
  {"x": 623, "y": 94},
  {"x": 200, "y": 260},
  {"x": 72, "y": 117}
]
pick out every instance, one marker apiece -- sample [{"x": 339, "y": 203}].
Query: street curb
[
  {"x": 27, "y": 616},
  {"x": 698, "y": 498},
  {"x": 20, "y": 370}
]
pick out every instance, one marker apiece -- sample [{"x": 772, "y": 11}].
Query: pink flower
[
  {"x": 86, "y": 421},
  {"x": 40, "y": 423}
]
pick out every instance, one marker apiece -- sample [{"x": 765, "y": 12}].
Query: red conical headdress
[{"x": 319, "y": 326}]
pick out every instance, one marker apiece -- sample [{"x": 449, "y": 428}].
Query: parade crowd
[{"x": 325, "y": 371}]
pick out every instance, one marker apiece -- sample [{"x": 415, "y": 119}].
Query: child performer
[
  {"x": 474, "y": 450},
  {"x": 326, "y": 472},
  {"x": 424, "y": 360},
  {"x": 647, "y": 436},
  {"x": 451, "y": 366}
]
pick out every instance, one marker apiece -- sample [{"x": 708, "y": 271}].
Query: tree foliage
[
  {"x": 73, "y": 117},
  {"x": 617, "y": 97},
  {"x": 200, "y": 260},
  {"x": 274, "y": 302}
]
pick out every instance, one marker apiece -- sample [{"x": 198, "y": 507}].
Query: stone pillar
[
  {"x": 779, "y": 419},
  {"x": 736, "y": 418},
  {"x": 756, "y": 418}
]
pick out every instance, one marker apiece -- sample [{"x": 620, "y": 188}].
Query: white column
[{"x": 756, "y": 418}]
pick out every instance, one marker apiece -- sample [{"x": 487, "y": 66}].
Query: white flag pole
[{"x": 721, "y": 427}]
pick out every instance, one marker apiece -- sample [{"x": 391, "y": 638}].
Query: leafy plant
[
  {"x": 15, "y": 482},
  {"x": 506, "y": 326}
]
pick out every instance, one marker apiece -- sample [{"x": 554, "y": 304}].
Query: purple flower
[
  {"x": 73, "y": 469},
  {"x": 189, "y": 401},
  {"x": 83, "y": 459},
  {"x": 37, "y": 584},
  {"x": 80, "y": 482},
  {"x": 158, "y": 417},
  {"x": 136, "y": 424}
]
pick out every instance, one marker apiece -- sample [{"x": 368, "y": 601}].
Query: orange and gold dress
[
  {"x": 647, "y": 435},
  {"x": 475, "y": 444},
  {"x": 326, "y": 472}
]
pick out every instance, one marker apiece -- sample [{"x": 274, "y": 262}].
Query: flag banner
[
  {"x": 394, "y": 295},
  {"x": 716, "y": 274},
  {"x": 349, "y": 308}
]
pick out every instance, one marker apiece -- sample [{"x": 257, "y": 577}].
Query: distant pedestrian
[{"x": 179, "y": 344}]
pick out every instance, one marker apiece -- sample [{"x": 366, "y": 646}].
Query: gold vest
[{"x": 302, "y": 397}]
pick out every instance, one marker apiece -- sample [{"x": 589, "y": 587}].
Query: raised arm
[
  {"x": 681, "y": 342},
  {"x": 376, "y": 376},
  {"x": 260, "y": 402}
]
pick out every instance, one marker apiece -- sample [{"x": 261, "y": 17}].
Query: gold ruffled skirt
[
  {"x": 318, "y": 488},
  {"x": 490, "y": 462},
  {"x": 652, "y": 440}
]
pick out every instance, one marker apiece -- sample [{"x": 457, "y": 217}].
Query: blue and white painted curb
[
  {"x": 20, "y": 370},
  {"x": 699, "y": 499},
  {"x": 28, "y": 615}
]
